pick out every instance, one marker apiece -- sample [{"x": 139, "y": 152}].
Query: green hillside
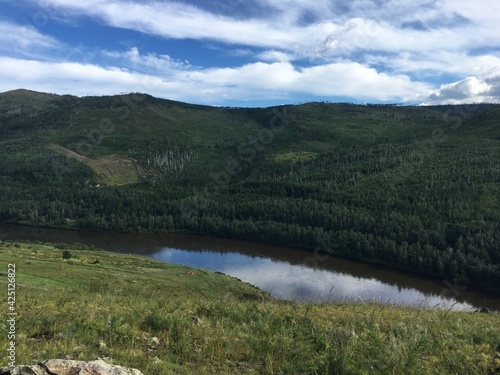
[
  {"x": 167, "y": 319},
  {"x": 413, "y": 188}
]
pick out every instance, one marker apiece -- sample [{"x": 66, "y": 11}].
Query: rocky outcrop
[{"x": 70, "y": 367}]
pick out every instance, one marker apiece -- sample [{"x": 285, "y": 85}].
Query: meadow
[{"x": 168, "y": 319}]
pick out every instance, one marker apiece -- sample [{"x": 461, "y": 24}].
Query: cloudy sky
[{"x": 255, "y": 52}]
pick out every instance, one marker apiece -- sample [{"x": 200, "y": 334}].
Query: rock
[
  {"x": 69, "y": 367},
  {"x": 156, "y": 360},
  {"x": 484, "y": 310},
  {"x": 23, "y": 370}
]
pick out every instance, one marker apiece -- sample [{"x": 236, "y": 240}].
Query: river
[{"x": 285, "y": 273}]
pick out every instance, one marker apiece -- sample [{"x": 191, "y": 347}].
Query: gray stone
[{"x": 69, "y": 367}]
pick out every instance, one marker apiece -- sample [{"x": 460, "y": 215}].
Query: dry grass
[{"x": 113, "y": 170}]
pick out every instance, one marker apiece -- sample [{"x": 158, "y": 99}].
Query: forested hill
[{"x": 414, "y": 188}]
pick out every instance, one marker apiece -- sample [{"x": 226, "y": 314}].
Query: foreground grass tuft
[{"x": 168, "y": 319}]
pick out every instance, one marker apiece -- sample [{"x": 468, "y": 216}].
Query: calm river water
[{"x": 285, "y": 273}]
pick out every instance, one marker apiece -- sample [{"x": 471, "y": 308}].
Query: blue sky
[{"x": 255, "y": 52}]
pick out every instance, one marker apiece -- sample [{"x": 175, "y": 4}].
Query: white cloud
[
  {"x": 257, "y": 80},
  {"x": 177, "y": 20},
  {"x": 429, "y": 64},
  {"x": 23, "y": 40},
  {"x": 486, "y": 13},
  {"x": 273, "y": 55},
  {"x": 365, "y": 49},
  {"x": 468, "y": 90},
  {"x": 151, "y": 63},
  {"x": 66, "y": 78},
  {"x": 360, "y": 25}
]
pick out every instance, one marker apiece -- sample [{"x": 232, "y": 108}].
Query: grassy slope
[
  {"x": 18, "y": 101},
  {"x": 208, "y": 323}
]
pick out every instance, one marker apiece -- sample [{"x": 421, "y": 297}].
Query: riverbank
[
  {"x": 169, "y": 319},
  {"x": 286, "y": 273}
]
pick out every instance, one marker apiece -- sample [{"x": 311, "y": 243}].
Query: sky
[{"x": 255, "y": 52}]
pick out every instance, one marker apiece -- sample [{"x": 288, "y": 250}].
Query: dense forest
[{"x": 413, "y": 188}]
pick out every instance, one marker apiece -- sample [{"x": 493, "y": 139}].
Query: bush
[{"x": 67, "y": 254}]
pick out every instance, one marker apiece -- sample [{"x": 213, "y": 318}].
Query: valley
[{"x": 411, "y": 188}]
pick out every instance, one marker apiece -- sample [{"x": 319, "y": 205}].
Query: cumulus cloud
[
  {"x": 66, "y": 78},
  {"x": 468, "y": 90},
  {"x": 365, "y": 49},
  {"x": 494, "y": 82},
  {"x": 262, "y": 80}
]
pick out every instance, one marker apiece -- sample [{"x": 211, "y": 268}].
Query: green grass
[
  {"x": 169, "y": 319},
  {"x": 24, "y": 101},
  {"x": 295, "y": 156}
]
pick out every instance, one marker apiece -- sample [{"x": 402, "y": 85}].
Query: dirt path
[{"x": 68, "y": 152}]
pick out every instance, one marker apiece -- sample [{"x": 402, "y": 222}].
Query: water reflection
[
  {"x": 281, "y": 271},
  {"x": 302, "y": 283}
]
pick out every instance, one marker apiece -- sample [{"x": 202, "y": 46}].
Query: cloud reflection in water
[{"x": 302, "y": 283}]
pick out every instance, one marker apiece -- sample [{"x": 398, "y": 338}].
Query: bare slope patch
[{"x": 114, "y": 170}]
